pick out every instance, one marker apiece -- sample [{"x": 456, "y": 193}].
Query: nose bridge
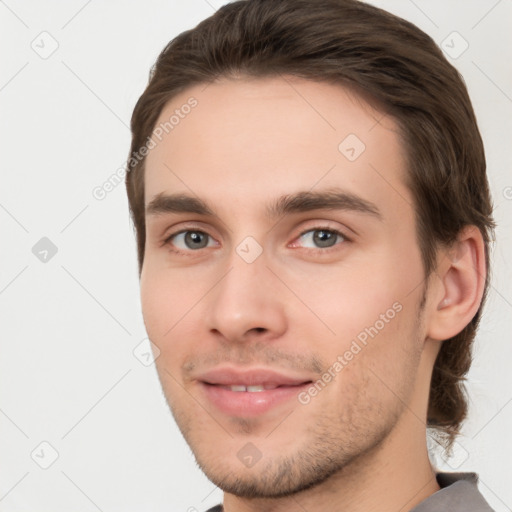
[{"x": 246, "y": 298}]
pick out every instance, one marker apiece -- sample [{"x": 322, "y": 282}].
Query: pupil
[{"x": 324, "y": 238}]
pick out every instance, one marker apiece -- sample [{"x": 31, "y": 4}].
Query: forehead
[{"x": 246, "y": 140}]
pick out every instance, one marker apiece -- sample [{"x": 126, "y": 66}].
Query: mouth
[
  {"x": 237, "y": 388},
  {"x": 250, "y": 400}
]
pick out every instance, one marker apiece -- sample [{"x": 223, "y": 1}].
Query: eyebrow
[{"x": 303, "y": 201}]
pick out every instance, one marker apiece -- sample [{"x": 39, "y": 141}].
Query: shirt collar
[{"x": 459, "y": 493}]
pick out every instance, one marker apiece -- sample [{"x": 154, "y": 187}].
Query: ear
[{"x": 459, "y": 286}]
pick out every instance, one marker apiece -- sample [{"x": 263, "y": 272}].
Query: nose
[{"x": 247, "y": 303}]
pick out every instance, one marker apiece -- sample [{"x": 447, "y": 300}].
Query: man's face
[{"x": 243, "y": 289}]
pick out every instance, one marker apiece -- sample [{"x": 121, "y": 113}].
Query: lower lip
[{"x": 247, "y": 403}]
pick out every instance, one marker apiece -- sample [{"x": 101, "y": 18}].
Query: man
[{"x": 307, "y": 183}]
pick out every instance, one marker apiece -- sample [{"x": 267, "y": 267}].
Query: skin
[{"x": 359, "y": 444}]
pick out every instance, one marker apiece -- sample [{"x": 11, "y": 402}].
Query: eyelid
[
  {"x": 188, "y": 253},
  {"x": 323, "y": 227},
  {"x": 184, "y": 227},
  {"x": 326, "y": 225},
  {"x": 168, "y": 239}
]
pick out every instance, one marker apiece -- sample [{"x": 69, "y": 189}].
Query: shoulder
[{"x": 459, "y": 493}]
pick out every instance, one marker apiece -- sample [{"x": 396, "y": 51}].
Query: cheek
[
  {"x": 164, "y": 302},
  {"x": 152, "y": 295},
  {"x": 162, "y": 311},
  {"x": 349, "y": 299},
  {"x": 171, "y": 301},
  {"x": 369, "y": 306}
]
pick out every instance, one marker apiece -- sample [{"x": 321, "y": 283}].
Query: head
[{"x": 272, "y": 98}]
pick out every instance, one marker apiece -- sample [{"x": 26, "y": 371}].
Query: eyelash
[
  {"x": 333, "y": 231},
  {"x": 190, "y": 253}
]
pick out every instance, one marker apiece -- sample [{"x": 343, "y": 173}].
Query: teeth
[
  {"x": 237, "y": 388},
  {"x": 250, "y": 389},
  {"x": 255, "y": 388}
]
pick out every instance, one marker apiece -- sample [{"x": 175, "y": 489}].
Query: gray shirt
[{"x": 459, "y": 493}]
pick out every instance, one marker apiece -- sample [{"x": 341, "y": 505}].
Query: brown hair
[{"x": 386, "y": 58}]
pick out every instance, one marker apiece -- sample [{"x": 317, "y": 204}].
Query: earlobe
[{"x": 461, "y": 279}]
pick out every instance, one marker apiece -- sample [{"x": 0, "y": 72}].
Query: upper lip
[{"x": 254, "y": 377}]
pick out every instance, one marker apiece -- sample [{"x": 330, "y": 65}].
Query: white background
[{"x": 69, "y": 326}]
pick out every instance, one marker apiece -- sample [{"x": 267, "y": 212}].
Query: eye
[
  {"x": 189, "y": 240},
  {"x": 322, "y": 238}
]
